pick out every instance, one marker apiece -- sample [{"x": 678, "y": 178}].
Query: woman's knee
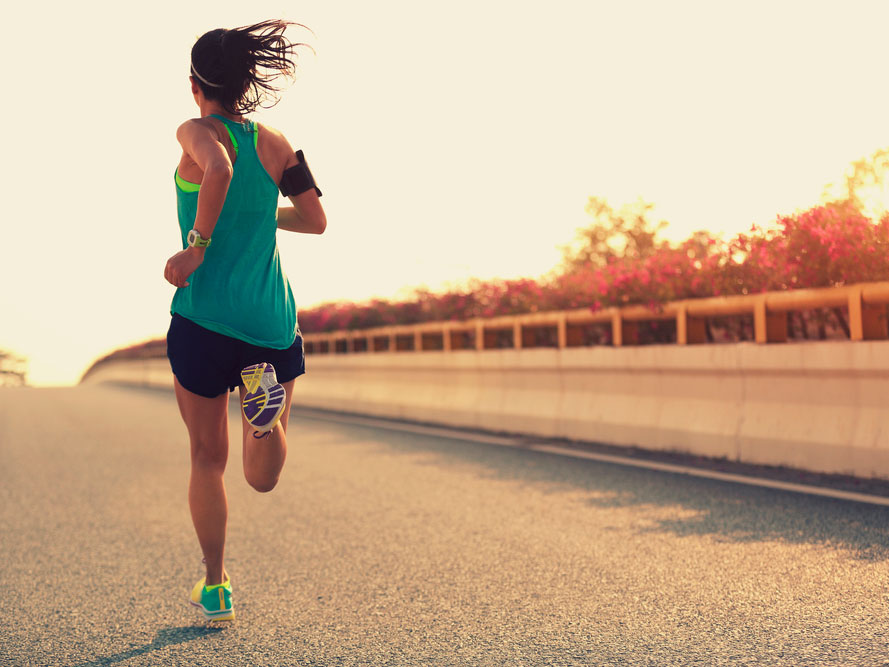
[
  {"x": 263, "y": 485},
  {"x": 209, "y": 452}
]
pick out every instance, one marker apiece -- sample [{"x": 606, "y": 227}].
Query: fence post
[
  {"x": 689, "y": 330},
  {"x": 418, "y": 340},
  {"x": 446, "y": 338},
  {"x": 479, "y": 335},
  {"x": 682, "y": 325},
  {"x": 856, "y": 319},
  {"x": 617, "y": 337},
  {"x": 562, "y": 331},
  {"x": 768, "y": 327},
  {"x": 517, "y": 335},
  {"x": 866, "y": 322}
]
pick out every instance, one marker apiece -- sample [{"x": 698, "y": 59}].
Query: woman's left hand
[{"x": 181, "y": 265}]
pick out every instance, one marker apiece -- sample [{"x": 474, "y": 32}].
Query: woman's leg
[
  {"x": 207, "y": 423},
  {"x": 264, "y": 457}
]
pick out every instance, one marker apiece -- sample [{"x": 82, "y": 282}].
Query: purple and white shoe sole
[{"x": 263, "y": 405}]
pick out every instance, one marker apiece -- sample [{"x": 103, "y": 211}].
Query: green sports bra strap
[
  {"x": 231, "y": 135},
  {"x": 248, "y": 126}
]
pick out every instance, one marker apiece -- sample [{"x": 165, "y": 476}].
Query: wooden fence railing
[{"x": 863, "y": 306}]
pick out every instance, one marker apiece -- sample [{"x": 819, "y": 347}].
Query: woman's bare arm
[
  {"x": 305, "y": 214},
  {"x": 200, "y": 141}
]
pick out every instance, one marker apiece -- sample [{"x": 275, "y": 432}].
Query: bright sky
[{"x": 451, "y": 140}]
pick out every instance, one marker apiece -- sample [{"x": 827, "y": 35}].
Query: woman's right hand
[{"x": 181, "y": 265}]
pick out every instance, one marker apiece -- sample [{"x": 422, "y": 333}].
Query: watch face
[{"x": 195, "y": 241}]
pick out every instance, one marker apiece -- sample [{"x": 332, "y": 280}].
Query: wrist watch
[{"x": 194, "y": 240}]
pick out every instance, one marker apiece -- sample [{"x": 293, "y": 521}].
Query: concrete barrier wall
[
  {"x": 138, "y": 372},
  {"x": 816, "y": 406}
]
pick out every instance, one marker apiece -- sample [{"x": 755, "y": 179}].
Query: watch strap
[{"x": 195, "y": 240}]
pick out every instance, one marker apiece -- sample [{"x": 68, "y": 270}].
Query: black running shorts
[{"x": 209, "y": 363}]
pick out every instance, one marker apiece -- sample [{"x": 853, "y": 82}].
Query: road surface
[{"x": 383, "y": 547}]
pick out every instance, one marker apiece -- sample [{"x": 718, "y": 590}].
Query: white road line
[
  {"x": 715, "y": 474},
  {"x": 691, "y": 471},
  {"x": 441, "y": 431}
]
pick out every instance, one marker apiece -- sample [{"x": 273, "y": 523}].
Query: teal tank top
[{"x": 240, "y": 289}]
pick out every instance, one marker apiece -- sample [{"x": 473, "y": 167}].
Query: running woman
[{"x": 233, "y": 315}]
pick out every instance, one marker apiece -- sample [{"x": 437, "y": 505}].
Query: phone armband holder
[{"x": 298, "y": 179}]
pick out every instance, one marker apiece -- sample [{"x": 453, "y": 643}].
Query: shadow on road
[
  {"x": 675, "y": 504},
  {"x": 165, "y": 637}
]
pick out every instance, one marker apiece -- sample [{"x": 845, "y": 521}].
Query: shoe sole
[
  {"x": 252, "y": 376},
  {"x": 261, "y": 399},
  {"x": 275, "y": 399},
  {"x": 227, "y": 615}
]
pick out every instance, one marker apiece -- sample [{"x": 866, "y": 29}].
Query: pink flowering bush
[
  {"x": 827, "y": 245},
  {"x": 477, "y": 299},
  {"x": 824, "y": 246}
]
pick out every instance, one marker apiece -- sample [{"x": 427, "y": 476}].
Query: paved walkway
[{"x": 390, "y": 548}]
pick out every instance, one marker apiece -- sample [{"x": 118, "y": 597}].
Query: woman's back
[{"x": 272, "y": 148}]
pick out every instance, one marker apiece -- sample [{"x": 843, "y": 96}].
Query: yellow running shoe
[{"x": 214, "y": 601}]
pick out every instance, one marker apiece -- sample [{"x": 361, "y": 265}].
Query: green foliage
[
  {"x": 865, "y": 186},
  {"x": 613, "y": 235},
  {"x": 13, "y": 369}
]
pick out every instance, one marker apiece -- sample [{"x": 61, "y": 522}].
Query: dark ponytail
[{"x": 238, "y": 67}]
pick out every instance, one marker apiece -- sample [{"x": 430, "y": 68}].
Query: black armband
[{"x": 298, "y": 179}]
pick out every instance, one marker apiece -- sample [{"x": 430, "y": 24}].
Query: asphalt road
[{"x": 382, "y": 547}]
